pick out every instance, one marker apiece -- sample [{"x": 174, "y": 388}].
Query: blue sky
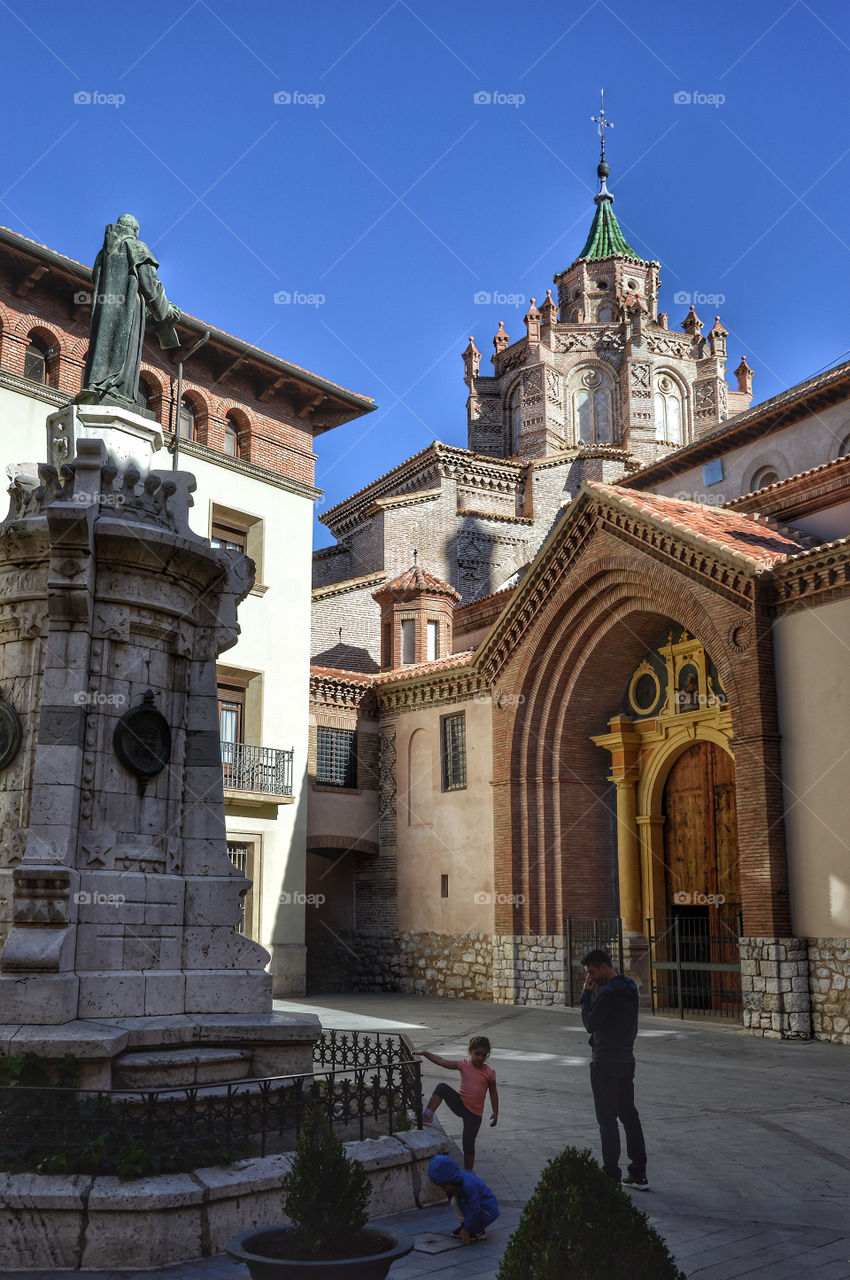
[{"x": 385, "y": 194}]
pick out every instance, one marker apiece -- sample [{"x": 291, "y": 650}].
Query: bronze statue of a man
[{"x": 125, "y": 290}]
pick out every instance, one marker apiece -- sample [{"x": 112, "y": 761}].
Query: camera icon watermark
[
  {"x": 496, "y": 99},
  {"x": 287, "y": 899},
  {"x": 82, "y": 98},
  {"x": 294, "y": 98},
  {"x": 693, "y": 98},
  {"x": 294, "y": 298},
  {"x": 683, "y": 898},
  {"x": 85, "y": 899},
  {"x": 684, "y": 298},
  {"x": 91, "y": 698}
]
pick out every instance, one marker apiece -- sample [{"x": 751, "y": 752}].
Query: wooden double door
[{"x": 702, "y": 876}]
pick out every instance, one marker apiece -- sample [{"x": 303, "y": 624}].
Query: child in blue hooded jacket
[{"x": 471, "y": 1199}]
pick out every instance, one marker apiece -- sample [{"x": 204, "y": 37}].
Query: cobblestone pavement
[{"x": 747, "y": 1138}]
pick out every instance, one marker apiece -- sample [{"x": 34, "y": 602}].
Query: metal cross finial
[
  {"x": 601, "y": 123},
  {"x": 415, "y": 554}
]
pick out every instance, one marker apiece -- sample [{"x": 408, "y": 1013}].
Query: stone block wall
[
  {"x": 829, "y": 981},
  {"x": 454, "y": 965},
  {"x": 530, "y": 970},
  {"x": 775, "y": 987}
]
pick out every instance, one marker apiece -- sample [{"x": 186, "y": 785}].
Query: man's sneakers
[
  {"x": 637, "y": 1184},
  {"x": 475, "y": 1235},
  {"x": 427, "y": 1116},
  {"x": 456, "y": 1232}
]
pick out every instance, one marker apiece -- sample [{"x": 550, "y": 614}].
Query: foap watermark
[
  {"x": 295, "y": 98},
  {"x": 693, "y": 98},
  {"x": 99, "y": 499},
  {"x": 484, "y": 298},
  {"x": 502, "y": 699},
  {"x": 685, "y": 899},
  {"x": 82, "y": 98},
  {"x": 287, "y": 899},
  {"x": 84, "y": 298},
  {"x": 707, "y": 499},
  {"x": 483, "y": 98},
  {"x": 483, "y": 899},
  {"x": 294, "y": 298},
  {"x": 91, "y": 698},
  {"x": 85, "y": 899},
  {"x": 683, "y": 298}
]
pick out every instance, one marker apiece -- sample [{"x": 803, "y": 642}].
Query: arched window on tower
[
  {"x": 35, "y": 361},
  {"x": 515, "y": 418},
  {"x": 592, "y": 409},
  {"x": 186, "y": 420},
  {"x": 604, "y": 315},
  {"x": 668, "y": 411},
  {"x": 231, "y": 438}
]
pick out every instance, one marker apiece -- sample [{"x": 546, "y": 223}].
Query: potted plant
[{"x": 326, "y": 1195}]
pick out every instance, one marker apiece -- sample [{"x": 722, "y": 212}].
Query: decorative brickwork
[
  {"x": 775, "y": 987},
  {"x": 829, "y": 980}
]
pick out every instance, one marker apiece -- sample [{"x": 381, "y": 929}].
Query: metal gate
[
  {"x": 590, "y": 935},
  {"x": 695, "y": 965}
]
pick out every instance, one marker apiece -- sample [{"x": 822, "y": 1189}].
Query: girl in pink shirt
[{"x": 476, "y": 1080}]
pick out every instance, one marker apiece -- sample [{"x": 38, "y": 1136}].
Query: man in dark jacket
[{"x": 609, "y": 1011}]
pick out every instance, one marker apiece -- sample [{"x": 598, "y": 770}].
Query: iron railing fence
[
  {"x": 584, "y": 935},
  {"x": 267, "y": 770},
  {"x": 162, "y": 1130},
  {"x": 695, "y": 965}
]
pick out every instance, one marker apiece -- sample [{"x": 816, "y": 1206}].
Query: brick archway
[{"x": 555, "y": 813}]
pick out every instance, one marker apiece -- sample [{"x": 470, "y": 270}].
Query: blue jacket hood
[{"x": 443, "y": 1169}]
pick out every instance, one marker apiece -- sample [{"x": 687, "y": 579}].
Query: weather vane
[{"x": 601, "y": 123}]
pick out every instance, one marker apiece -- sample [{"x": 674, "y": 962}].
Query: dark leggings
[{"x": 471, "y": 1122}]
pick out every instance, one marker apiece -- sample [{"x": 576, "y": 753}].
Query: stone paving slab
[{"x": 749, "y": 1161}]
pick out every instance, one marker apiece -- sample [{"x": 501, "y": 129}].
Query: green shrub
[
  {"x": 326, "y": 1192},
  {"x": 578, "y": 1225}
]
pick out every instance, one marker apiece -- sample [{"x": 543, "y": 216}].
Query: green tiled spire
[{"x": 606, "y": 238}]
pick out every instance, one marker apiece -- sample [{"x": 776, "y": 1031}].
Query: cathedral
[{"x": 581, "y": 683}]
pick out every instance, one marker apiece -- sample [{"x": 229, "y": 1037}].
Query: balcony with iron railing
[{"x": 256, "y": 775}]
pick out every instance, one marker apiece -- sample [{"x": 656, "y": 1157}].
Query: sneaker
[
  {"x": 638, "y": 1184},
  {"x": 478, "y": 1235},
  {"x": 456, "y": 1232},
  {"x": 427, "y": 1116}
]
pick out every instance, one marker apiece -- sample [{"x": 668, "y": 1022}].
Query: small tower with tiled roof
[{"x": 417, "y": 615}]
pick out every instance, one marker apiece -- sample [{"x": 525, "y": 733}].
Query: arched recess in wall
[
  {"x": 768, "y": 467},
  {"x": 514, "y": 403},
  {"x": 237, "y": 433},
  {"x": 591, "y": 401},
  {"x": 844, "y": 446},
  {"x": 670, "y": 406},
  {"x": 420, "y": 779}
]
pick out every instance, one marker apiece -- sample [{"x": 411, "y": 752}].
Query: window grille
[
  {"x": 336, "y": 757},
  {"x": 35, "y": 363},
  {"x": 453, "y": 751},
  {"x": 239, "y": 855}
]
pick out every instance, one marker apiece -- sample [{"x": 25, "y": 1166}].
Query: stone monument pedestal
[
  {"x": 130, "y": 439},
  {"x": 119, "y": 905}
]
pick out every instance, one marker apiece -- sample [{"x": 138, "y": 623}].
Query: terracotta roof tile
[
  {"x": 738, "y": 535},
  {"x": 424, "y": 668},
  {"x": 416, "y": 579}
]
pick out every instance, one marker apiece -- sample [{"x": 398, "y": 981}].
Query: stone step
[{"x": 164, "y": 1068}]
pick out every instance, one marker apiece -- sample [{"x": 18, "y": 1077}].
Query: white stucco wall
[{"x": 813, "y": 693}]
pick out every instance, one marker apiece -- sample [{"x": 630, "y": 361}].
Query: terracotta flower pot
[{"x": 258, "y": 1249}]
